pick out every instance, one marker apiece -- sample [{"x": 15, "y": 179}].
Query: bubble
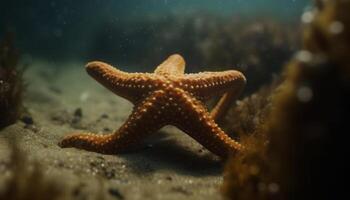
[
  {"x": 304, "y": 94},
  {"x": 254, "y": 170},
  {"x": 336, "y": 27},
  {"x": 84, "y": 96},
  {"x": 307, "y": 17},
  {"x": 190, "y": 181},
  {"x": 273, "y": 188},
  {"x": 304, "y": 56}
]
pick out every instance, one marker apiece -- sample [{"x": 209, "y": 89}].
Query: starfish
[{"x": 166, "y": 97}]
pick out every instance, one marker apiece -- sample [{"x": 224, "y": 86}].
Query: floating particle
[
  {"x": 304, "y": 94},
  {"x": 304, "y": 56},
  {"x": 336, "y": 27},
  {"x": 307, "y": 17},
  {"x": 273, "y": 188}
]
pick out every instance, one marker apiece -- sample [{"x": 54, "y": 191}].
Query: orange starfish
[{"x": 167, "y": 96}]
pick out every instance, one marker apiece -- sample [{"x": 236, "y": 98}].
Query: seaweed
[
  {"x": 247, "y": 174},
  {"x": 307, "y": 132},
  {"x": 11, "y": 82},
  {"x": 299, "y": 151},
  {"x": 27, "y": 180},
  {"x": 250, "y": 113}
]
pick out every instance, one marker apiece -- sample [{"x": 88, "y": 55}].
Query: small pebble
[
  {"x": 106, "y": 129},
  {"x": 78, "y": 113},
  {"x": 28, "y": 120},
  {"x": 110, "y": 174},
  {"x": 115, "y": 192},
  {"x": 104, "y": 116}
]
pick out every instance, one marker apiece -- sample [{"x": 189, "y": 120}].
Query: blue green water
[
  {"x": 285, "y": 8},
  {"x": 64, "y": 29}
]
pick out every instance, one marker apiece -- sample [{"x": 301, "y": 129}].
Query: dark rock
[
  {"x": 106, "y": 129},
  {"x": 75, "y": 120},
  {"x": 115, "y": 193},
  {"x": 104, "y": 116},
  {"x": 28, "y": 120},
  {"x": 78, "y": 113},
  {"x": 77, "y": 192},
  {"x": 109, "y": 174}
]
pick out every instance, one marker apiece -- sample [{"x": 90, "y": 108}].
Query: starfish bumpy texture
[{"x": 166, "y": 97}]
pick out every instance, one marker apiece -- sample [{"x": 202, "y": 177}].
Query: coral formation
[
  {"x": 11, "y": 84},
  {"x": 298, "y": 152}
]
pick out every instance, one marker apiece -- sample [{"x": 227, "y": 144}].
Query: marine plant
[
  {"x": 248, "y": 172},
  {"x": 11, "y": 83},
  {"x": 26, "y": 180},
  {"x": 299, "y": 152}
]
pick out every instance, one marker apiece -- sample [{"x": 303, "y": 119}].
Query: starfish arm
[
  {"x": 89, "y": 142},
  {"x": 208, "y": 84},
  {"x": 173, "y": 65},
  {"x": 222, "y": 106},
  {"x": 195, "y": 120},
  {"x": 204, "y": 85},
  {"x": 142, "y": 122},
  {"x": 128, "y": 85}
]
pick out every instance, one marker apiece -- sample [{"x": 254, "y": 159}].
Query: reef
[
  {"x": 11, "y": 83},
  {"x": 297, "y": 151}
]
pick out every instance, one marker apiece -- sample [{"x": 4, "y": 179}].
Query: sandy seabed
[{"x": 62, "y": 98}]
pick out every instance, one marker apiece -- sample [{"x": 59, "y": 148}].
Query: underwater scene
[{"x": 174, "y": 99}]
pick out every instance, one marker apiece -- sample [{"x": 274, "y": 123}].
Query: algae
[
  {"x": 26, "y": 179},
  {"x": 11, "y": 83},
  {"x": 298, "y": 151}
]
